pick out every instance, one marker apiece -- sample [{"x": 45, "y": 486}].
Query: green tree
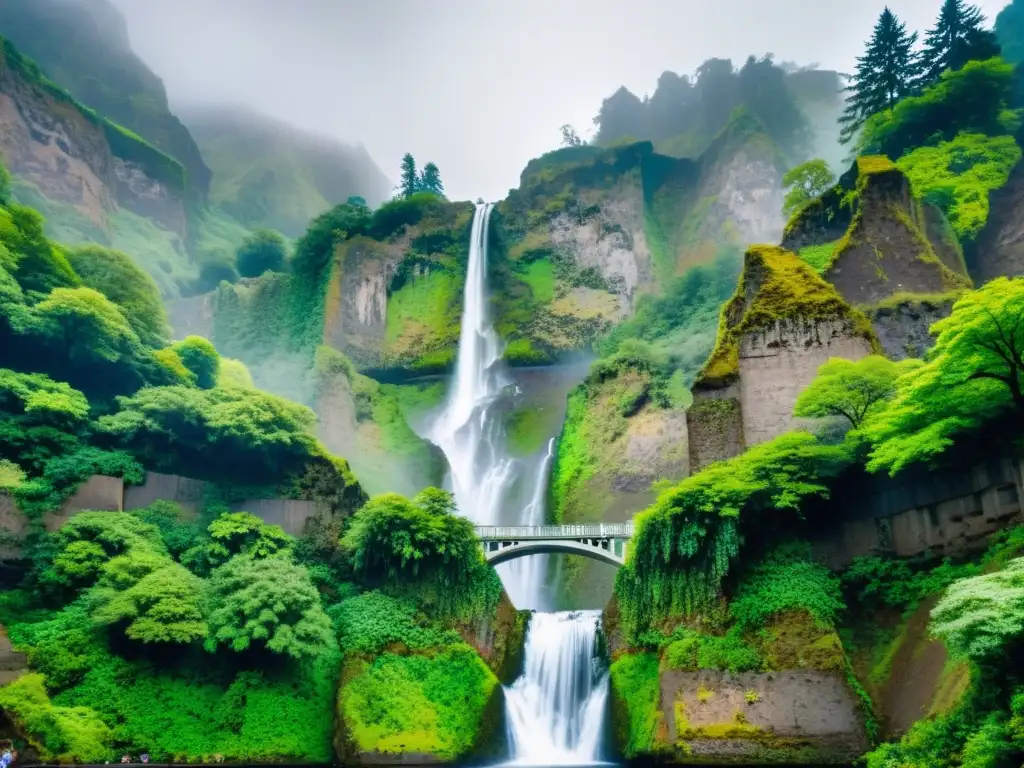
[
  {"x": 430, "y": 180},
  {"x": 569, "y": 137},
  {"x": 200, "y": 357},
  {"x": 213, "y": 273},
  {"x": 982, "y": 618},
  {"x": 117, "y": 277},
  {"x": 806, "y": 182},
  {"x": 235, "y": 533},
  {"x": 956, "y": 38},
  {"x": 409, "y": 181},
  {"x": 972, "y": 99},
  {"x": 267, "y": 604},
  {"x": 39, "y": 418},
  {"x": 221, "y": 433},
  {"x": 164, "y": 606},
  {"x": 851, "y": 390},
  {"x": 974, "y": 374},
  {"x": 264, "y": 250},
  {"x": 885, "y": 74}
]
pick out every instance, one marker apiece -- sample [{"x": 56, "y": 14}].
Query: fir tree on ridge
[
  {"x": 886, "y": 73},
  {"x": 409, "y": 182},
  {"x": 430, "y": 180},
  {"x": 956, "y": 38}
]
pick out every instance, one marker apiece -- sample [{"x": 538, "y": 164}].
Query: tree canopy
[
  {"x": 263, "y": 250},
  {"x": 974, "y": 373},
  {"x": 851, "y": 390},
  {"x": 267, "y": 604},
  {"x": 806, "y": 182}
]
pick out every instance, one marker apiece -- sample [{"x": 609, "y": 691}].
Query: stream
[{"x": 555, "y": 712}]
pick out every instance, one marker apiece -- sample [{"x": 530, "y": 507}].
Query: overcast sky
[{"x": 478, "y": 86}]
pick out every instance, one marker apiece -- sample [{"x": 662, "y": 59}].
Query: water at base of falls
[{"x": 555, "y": 711}]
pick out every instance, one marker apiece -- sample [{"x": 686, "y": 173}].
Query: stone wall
[
  {"x": 809, "y": 713},
  {"x": 714, "y": 425},
  {"x": 777, "y": 364},
  {"x": 183, "y": 491},
  {"x": 100, "y": 493},
  {"x": 922, "y": 511}
]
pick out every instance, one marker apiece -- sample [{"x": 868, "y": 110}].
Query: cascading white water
[{"x": 556, "y": 709}]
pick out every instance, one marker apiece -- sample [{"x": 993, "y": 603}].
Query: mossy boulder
[{"x": 872, "y": 238}]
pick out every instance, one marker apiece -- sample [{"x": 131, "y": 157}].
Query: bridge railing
[{"x": 583, "y": 531}]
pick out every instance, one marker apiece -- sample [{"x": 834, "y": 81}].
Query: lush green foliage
[
  {"x": 261, "y": 251},
  {"x": 200, "y": 358},
  {"x": 973, "y": 375},
  {"x": 806, "y": 182},
  {"x": 958, "y": 175},
  {"x": 970, "y": 100},
  {"x": 267, "y": 603},
  {"x": 982, "y": 618},
  {"x": 788, "y": 579},
  {"x": 61, "y": 734},
  {"x": 686, "y": 543},
  {"x": 851, "y": 390},
  {"x": 635, "y": 681},
  {"x": 370, "y": 623},
  {"x": 117, "y": 277},
  {"x": 163, "y": 606},
  {"x": 422, "y": 548},
  {"x": 434, "y": 705}
]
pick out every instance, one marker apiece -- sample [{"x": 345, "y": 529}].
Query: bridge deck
[{"x": 531, "y": 532}]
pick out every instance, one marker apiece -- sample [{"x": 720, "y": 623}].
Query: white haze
[{"x": 478, "y": 86}]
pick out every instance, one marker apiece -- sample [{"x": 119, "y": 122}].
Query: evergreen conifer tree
[
  {"x": 430, "y": 180},
  {"x": 410, "y": 180},
  {"x": 885, "y": 73},
  {"x": 956, "y": 38}
]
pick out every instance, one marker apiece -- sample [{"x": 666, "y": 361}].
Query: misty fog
[{"x": 477, "y": 86}]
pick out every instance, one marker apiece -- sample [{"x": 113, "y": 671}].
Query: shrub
[
  {"x": 200, "y": 357},
  {"x": 371, "y": 622},
  {"x": 262, "y": 251},
  {"x": 267, "y": 604}
]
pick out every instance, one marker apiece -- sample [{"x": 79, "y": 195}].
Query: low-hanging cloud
[{"x": 478, "y": 86}]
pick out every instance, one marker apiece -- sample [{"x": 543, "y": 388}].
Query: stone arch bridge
[{"x": 605, "y": 542}]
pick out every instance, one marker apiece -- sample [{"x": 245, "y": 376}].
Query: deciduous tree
[
  {"x": 264, "y": 250},
  {"x": 805, "y": 182},
  {"x": 974, "y": 374},
  {"x": 851, "y": 389},
  {"x": 164, "y": 606}
]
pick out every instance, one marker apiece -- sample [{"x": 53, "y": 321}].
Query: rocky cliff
[
  {"x": 590, "y": 230},
  {"x": 1000, "y": 248},
  {"x": 873, "y": 239},
  {"x": 783, "y": 322}
]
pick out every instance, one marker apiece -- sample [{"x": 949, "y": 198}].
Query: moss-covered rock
[
  {"x": 872, "y": 238},
  {"x": 776, "y": 285}
]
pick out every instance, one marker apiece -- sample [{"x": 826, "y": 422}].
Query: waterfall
[{"x": 555, "y": 711}]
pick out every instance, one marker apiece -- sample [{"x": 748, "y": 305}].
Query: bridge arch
[{"x": 605, "y": 542}]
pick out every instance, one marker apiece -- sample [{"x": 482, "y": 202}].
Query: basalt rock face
[
  {"x": 883, "y": 242},
  {"x": 74, "y": 157},
  {"x": 1000, "y": 248},
  {"x": 591, "y": 229},
  {"x": 902, "y": 327},
  {"x": 783, "y": 322}
]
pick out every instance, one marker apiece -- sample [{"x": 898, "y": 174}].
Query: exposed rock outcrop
[
  {"x": 783, "y": 322},
  {"x": 73, "y": 156},
  {"x": 1000, "y": 247},
  {"x": 902, "y": 324},
  {"x": 883, "y": 241}
]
